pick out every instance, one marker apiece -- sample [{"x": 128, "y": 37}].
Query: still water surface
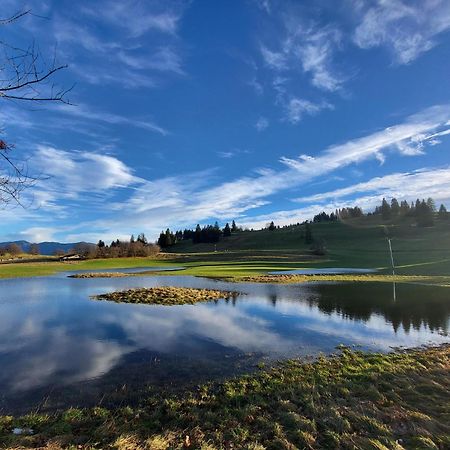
[{"x": 59, "y": 348}]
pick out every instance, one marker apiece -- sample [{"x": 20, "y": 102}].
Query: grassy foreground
[{"x": 355, "y": 400}]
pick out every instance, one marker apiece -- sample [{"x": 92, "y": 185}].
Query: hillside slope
[{"x": 357, "y": 243}]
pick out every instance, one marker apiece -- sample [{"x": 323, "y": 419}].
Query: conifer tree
[
  {"x": 395, "y": 207},
  {"x": 197, "y": 234},
  {"x": 430, "y": 204},
  {"x": 308, "y": 233},
  {"x": 385, "y": 209},
  {"x": 227, "y": 230},
  {"x": 424, "y": 215},
  {"x": 442, "y": 212}
]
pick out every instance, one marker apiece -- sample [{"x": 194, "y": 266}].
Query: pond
[{"x": 59, "y": 348}]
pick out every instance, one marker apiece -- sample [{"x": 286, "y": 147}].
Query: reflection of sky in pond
[{"x": 53, "y": 335}]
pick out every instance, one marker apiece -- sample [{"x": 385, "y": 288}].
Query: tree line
[
  {"x": 208, "y": 234},
  {"x": 122, "y": 249},
  {"x": 423, "y": 211}
]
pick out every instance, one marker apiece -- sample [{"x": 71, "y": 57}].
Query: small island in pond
[{"x": 166, "y": 295}]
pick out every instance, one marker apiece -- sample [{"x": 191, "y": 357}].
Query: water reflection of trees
[{"x": 414, "y": 306}]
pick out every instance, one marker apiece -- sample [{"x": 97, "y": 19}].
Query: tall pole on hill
[{"x": 392, "y": 258}]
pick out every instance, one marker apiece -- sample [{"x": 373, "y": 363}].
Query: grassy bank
[
  {"x": 166, "y": 295},
  {"x": 357, "y": 278},
  {"x": 50, "y": 268},
  {"x": 355, "y": 400}
]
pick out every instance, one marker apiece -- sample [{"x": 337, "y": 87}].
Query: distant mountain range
[{"x": 45, "y": 248}]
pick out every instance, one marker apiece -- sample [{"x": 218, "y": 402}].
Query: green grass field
[
  {"x": 49, "y": 268},
  {"x": 360, "y": 243}
]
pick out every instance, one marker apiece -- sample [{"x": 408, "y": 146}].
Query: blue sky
[{"x": 188, "y": 112}]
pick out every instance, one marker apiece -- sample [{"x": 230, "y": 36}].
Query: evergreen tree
[
  {"x": 395, "y": 207},
  {"x": 417, "y": 208},
  {"x": 442, "y": 212},
  {"x": 234, "y": 228},
  {"x": 100, "y": 244},
  {"x": 132, "y": 239},
  {"x": 424, "y": 214},
  {"x": 227, "y": 230},
  {"x": 142, "y": 239},
  {"x": 308, "y": 233},
  {"x": 431, "y": 205},
  {"x": 271, "y": 226},
  {"x": 169, "y": 238},
  {"x": 385, "y": 210},
  {"x": 404, "y": 208},
  {"x": 162, "y": 241},
  {"x": 197, "y": 235}
]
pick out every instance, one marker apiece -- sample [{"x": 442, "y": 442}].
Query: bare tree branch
[{"x": 24, "y": 76}]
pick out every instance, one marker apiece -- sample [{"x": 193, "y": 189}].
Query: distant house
[{"x": 71, "y": 257}]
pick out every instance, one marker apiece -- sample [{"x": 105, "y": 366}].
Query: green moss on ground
[
  {"x": 166, "y": 295},
  {"x": 355, "y": 401}
]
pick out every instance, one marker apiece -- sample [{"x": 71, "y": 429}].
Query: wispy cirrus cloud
[
  {"x": 119, "y": 54},
  {"x": 302, "y": 51},
  {"x": 310, "y": 49},
  {"x": 85, "y": 112},
  {"x": 406, "y": 28},
  {"x": 138, "y": 18},
  {"x": 183, "y": 200},
  {"x": 296, "y": 108},
  {"x": 191, "y": 202},
  {"x": 433, "y": 183}
]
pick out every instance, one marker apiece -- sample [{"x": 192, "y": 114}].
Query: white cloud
[
  {"x": 407, "y": 29},
  {"x": 137, "y": 18},
  {"x": 85, "y": 112},
  {"x": 261, "y": 124},
  {"x": 274, "y": 60},
  {"x": 67, "y": 174},
  {"x": 164, "y": 59},
  {"x": 124, "y": 59},
  {"x": 308, "y": 48},
  {"x": 184, "y": 200},
  {"x": 296, "y": 108},
  {"x": 37, "y": 234},
  {"x": 405, "y": 185},
  {"x": 316, "y": 48}
]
